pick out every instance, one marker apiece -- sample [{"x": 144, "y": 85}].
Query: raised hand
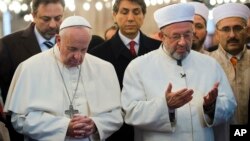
[
  {"x": 178, "y": 98},
  {"x": 210, "y": 98}
]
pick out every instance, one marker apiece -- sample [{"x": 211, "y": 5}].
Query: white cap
[
  {"x": 200, "y": 9},
  {"x": 74, "y": 21},
  {"x": 230, "y": 10},
  {"x": 174, "y": 13}
]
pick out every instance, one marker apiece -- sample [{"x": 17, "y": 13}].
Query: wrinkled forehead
[
  {"x": 76, "y": 29},
  {"x": 180, "y": 27}
]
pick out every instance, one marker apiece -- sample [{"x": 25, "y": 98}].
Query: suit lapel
[
  {"x": 144, "y": 44},
  {"x": 30, "y": 42},
  {"x": 119, "y": 48}
]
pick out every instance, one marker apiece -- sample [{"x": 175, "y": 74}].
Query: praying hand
[{"x": 81, "y": 127}]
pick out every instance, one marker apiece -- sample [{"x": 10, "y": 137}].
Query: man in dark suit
[
  {"x": 21, "y": 45},
  {"x": 129, "y": 16}
]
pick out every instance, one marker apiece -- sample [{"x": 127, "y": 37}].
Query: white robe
[
  {"x": 38, "y": 99},
  {"x": 143, "y": 97}
]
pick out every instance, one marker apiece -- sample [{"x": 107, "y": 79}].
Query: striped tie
[{"x": 48, "y": 44}]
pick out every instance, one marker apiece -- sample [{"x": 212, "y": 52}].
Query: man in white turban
[
  {"x": 61, "y": 94},
  {"x": 180, "y": 93},
  {"x": 234, "y": 57},
  {"x": 200, "y": 26}
]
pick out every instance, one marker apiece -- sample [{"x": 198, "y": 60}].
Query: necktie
[
  {"x": 234, "y": 61},
  {"x": 132, "y": 48},
  {"x": 48, "y": 44}
]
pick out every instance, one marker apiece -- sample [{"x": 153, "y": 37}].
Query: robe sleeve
[
  {"x": 153, "y": 114},
  {"x": 40, "y": 125},
  {"x": 104, "y": 98},
  {"x": 225, "y": 102},
  {"x": 108, "y": 122}
]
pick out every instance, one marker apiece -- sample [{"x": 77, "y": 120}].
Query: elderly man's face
[
  {"x": 73, "y": 45},
  {"x": 231, "y": 34},
  {"x": 200, "y": 32},
  {"x": 177, "y": 39},
  {"x": 129, "y": 18},
  {"x": 48, "y": 19}
]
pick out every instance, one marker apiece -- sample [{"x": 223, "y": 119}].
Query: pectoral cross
[{"x": 71, "y": 111}]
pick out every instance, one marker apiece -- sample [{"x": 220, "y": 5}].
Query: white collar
[{"x": 126, "y": 40}]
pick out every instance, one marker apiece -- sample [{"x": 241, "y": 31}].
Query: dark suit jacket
[
  {"x": 14, "y": 49},
  {"x": 116, "y": 52}
]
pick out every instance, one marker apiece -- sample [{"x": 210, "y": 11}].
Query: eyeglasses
[
  {"x": 228, "y": 29},
  {"x": 177, "y": 37}
]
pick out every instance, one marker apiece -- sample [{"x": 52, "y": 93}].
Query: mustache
[{"x": 233, "y": 40}]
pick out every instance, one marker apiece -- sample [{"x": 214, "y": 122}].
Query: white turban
[
  {"x": 200, "y": 9},
  {"x": 174, "y": 13},
  {"x": 230, "y": 10},
  {"x": 74, "y": 21}
]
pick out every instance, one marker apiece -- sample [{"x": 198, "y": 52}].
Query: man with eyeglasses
[
  {"x": 231, "y": 30},
  {"x": 166, "y": 94},
  {"x": 233, "y": 56}
]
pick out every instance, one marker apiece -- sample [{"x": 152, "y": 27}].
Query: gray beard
[
  {"x": 179, "y": 57},
  {"x": 175, "y": 55}
]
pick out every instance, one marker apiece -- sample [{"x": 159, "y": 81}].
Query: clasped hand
[{"x": 81, "y": 127}]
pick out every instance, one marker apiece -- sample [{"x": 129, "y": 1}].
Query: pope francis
[{"x": 65, "y": 93}]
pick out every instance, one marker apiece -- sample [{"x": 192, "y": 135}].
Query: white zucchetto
[
  {"x": 200, "y": 9},
  {"x": 174, "y": 13},
  {"x": 74, "y": 21},
  {"x": 230, "y": 10}
]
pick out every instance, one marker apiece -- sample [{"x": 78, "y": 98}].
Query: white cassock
[
  {"x": 38, "y": 99},
  {"x": 143, "y": 97}
]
